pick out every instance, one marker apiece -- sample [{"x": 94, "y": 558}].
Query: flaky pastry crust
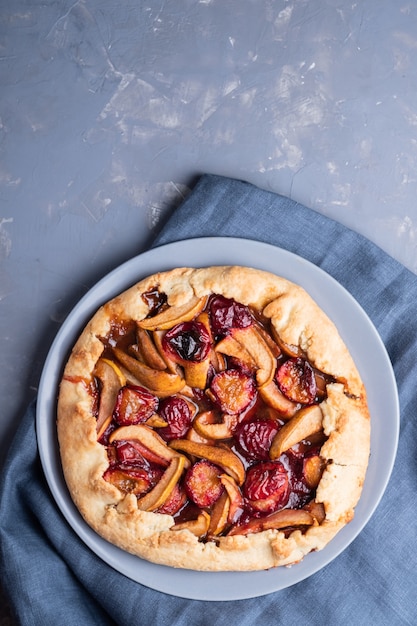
[{"x": 299, "y": 322}]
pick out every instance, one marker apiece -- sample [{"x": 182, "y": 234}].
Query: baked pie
[{"x": 213, "y": 419}]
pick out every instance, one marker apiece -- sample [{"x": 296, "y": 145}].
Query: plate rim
[{"x": 157, "y": 577}]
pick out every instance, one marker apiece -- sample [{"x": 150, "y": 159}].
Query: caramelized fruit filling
[{"x": 208, "y": 416}]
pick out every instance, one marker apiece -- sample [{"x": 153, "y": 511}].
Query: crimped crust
[{"x": 299, "y": 322}]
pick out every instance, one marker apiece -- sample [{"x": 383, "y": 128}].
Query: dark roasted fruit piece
[
  {"x": 296, "y": 380},
  {"x": 233, "y": 391},
  {"x": 203, "y": 484},
  {"x": 266, "y": 487},
  {"x": 154, "y": 300},
  {"x": 134, "y": 405},
  {"x": 134, "y": 480},
  {"x": 254, "y": 438},
  {"x": 177, "y": 413},
  {"x": 226, "y": 313},
  {"x": 300, "y": 491},
  {"x": 188, "y": 341}
]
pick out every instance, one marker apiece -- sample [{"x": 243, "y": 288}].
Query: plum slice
[
  {"x": 232, "y": 390},
  {"x": 188, "y": 341},
  {"x": 226, "y": 313},
  {"x": 267, "y": 486},
  {"x": 203, "y": 484},
  {"x": 176, "y": 412},
  {"x": 254, "y": 438},
  {"x": 136, "y": 480},
  {"x": 297, "y": 381},
  {"x": 129, "y": 452},
  {"x": 134, "y": 405}
]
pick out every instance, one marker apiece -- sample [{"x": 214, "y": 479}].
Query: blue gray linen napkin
[{"x": 53, "y": 578}]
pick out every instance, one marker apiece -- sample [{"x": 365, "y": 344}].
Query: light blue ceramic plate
[{"x": 364, "y": 344}]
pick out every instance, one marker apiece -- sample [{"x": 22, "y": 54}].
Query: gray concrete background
[{"x": 110, "y": 111}]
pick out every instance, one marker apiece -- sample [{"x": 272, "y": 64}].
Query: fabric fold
[{"x": 52, "y": 577}]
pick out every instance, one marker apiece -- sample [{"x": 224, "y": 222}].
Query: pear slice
[
  {"x": 156, "y": 421},
  {"x": 163, "y": 489},
  {"x": 148, "y": 438},
  {"x": 218, "y": 360},
  {"x": 273, "y": 346},
  {"x": 193, "y": 435},
  {"x": 312, "y": 469},
  {"x": 273, "y": 397},
  {"x": 173, "y": 315},
  {"x": 316, "y": 509},
  {"x": 157, "y": 336},
  {"x": 219, "y": 515},
  {"x": 237, "y": 503},
  {"x": 198, "y": 527},
  {"x": 204, "y": 319},
  {"x": 232, "y": 347},
  {"x": 285, "y": 518},
  {"x": 161, "y": 383},
  {"x": 305, "y": 423},
  {"x": 101, "y": 429},
  {"x": 251, "y": 339},
  {"x": 148, "y": 351},
  {"x": 223, "y": 457},
  {"x": 196, "y": 373},
  {"x": 287, "y": 348},
  {"x": 112, "y": 379},
  {"x": 117, "y": 370},
  {"x": 206, "y": 425}
]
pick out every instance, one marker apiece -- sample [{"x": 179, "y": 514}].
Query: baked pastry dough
[{"x": 213, "y": 419}]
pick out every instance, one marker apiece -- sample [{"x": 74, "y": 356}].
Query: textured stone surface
[{"x": 110, "y": 111}]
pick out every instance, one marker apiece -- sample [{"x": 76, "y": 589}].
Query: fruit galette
[{"x": 213, "y": 419}]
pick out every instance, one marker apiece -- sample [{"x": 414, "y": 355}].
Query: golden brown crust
[{"x": 299, "y": 322}]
